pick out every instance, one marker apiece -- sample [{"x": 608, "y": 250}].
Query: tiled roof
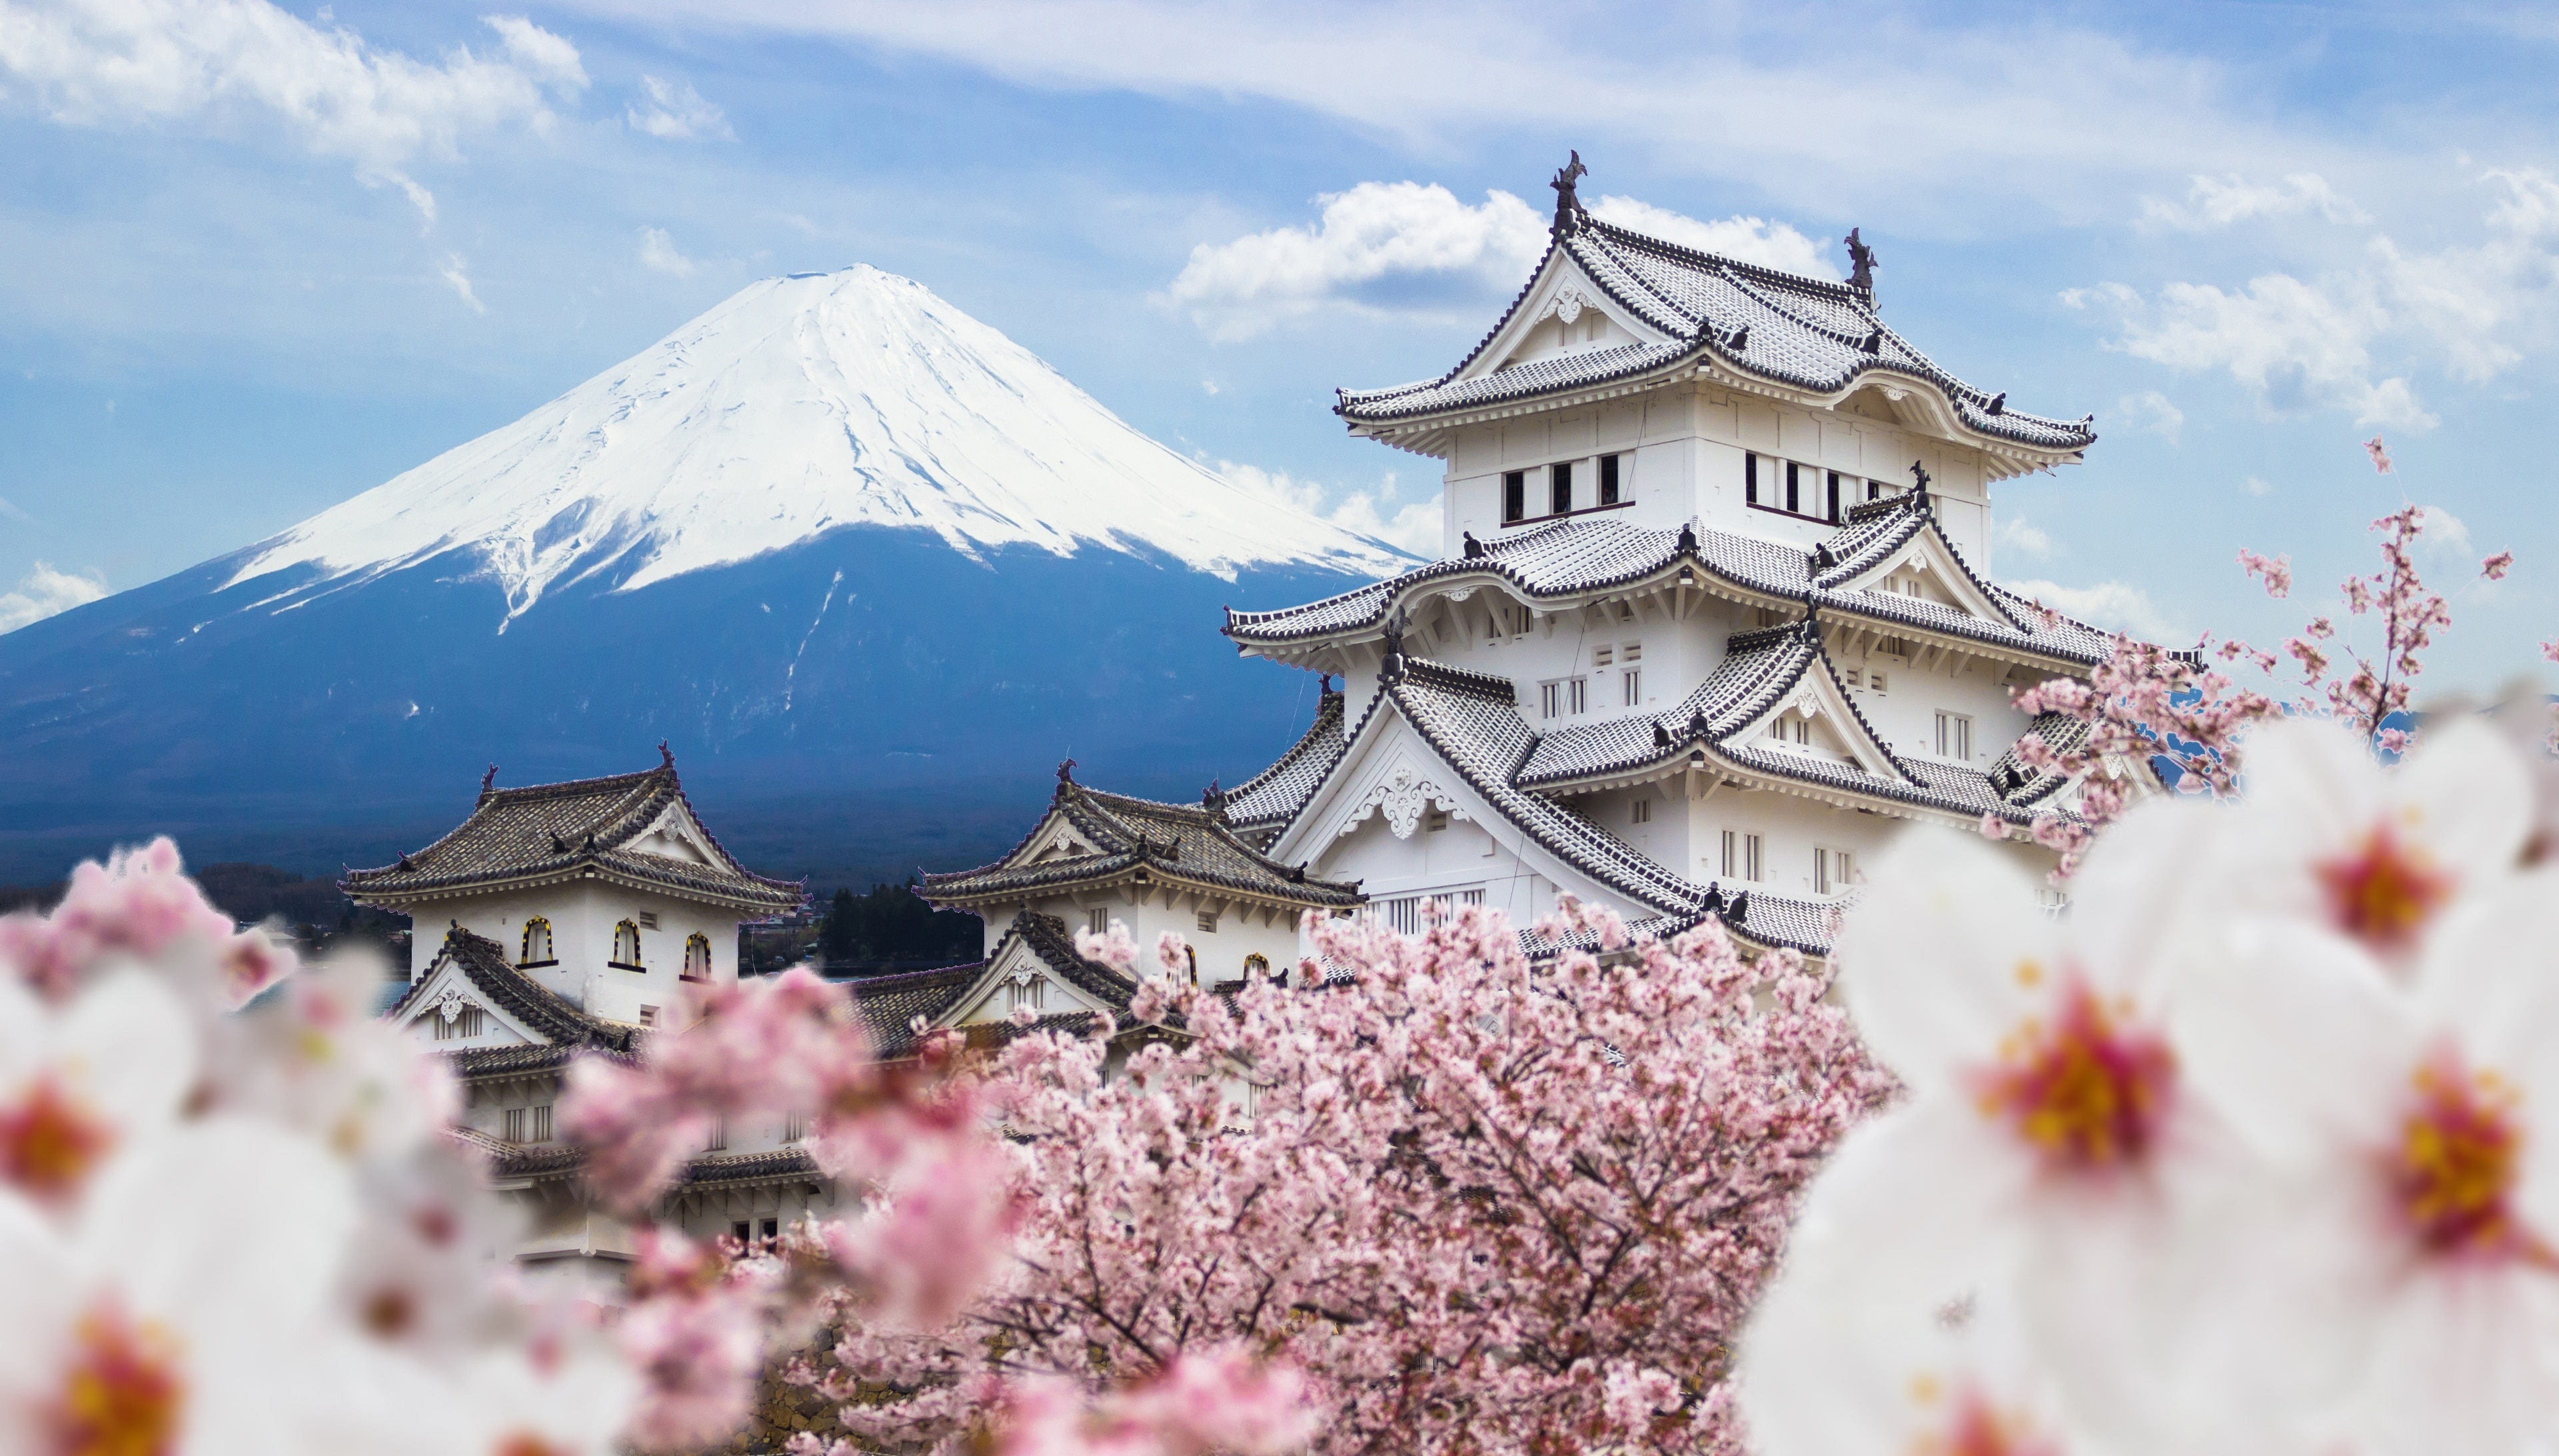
[
  {"x": 1274, "y": 796},
  {"x": 1473, "y": 722},
  {"x": 889, "y": 1004},
  {"x": 540, "y": 1009},
  {"x": 1815, "y": 335},
  {"x": 1757, "y": 668},
  {"x": 768, "y": 1165},
  {"x": 1581, "y": 555},
  {"x": 1189, "y": 842},
  {"x": 566, "y": 830},
  {"x": 1568, "y": 558}
]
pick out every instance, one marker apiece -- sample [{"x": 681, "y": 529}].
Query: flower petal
[
  {"x": 2467, "y": 795},
  {"x": 128, "y": 1047},
  {"x": 2294, "y": 1038},
  {"x": 262, "y": 1216},
  {"x": 1930, "y": 959}
]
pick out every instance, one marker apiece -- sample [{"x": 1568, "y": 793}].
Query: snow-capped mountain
[
  {"x": 859, "y": 557},
  {"x": 801, "y": 405}
]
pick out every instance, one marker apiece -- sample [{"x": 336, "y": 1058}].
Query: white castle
[{"x": 1713, "y": 619}]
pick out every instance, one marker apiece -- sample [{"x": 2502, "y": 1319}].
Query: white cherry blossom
[{"x": 106, "y": 1069}]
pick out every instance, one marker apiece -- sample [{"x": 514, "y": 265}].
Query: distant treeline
[
  {"x": 314, "y": 911},
  {"x": 890, "y": 929}
]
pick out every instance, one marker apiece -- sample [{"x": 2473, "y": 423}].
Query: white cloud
[
  {"x": 2447, "y": 535},
  {"x": 2111, "y": 603},
  {"x": 657, "y": 252},
  {"x": 2218, "y": 201},
  {"x": 9, "y": 509},
  {"x": 2059, "y": 118},
  {"x": 2017, "y": 533},
  {"x": 1413, "y": 527},
  {"x": 2260, "y": 485},
  {"x": 1750, "y": 239},
  {"x": 457, "y": 274},
  {"x": 2150, "y": 411},
  {"x": 226, "y": 63},
  {"x": 1394, "y": 246},
  {"x": 2320, "y": 344},
  {"x": 1404, "y": 247},
  {"x": 673, "y": 111},
  {"x": 43, "y": 592}
]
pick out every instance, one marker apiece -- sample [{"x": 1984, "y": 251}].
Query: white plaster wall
[
  {"x": 583, "y": 915},
  {"x": 1687, "y": 446}
]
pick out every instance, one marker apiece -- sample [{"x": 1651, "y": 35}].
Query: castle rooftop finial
[
  {"x": 1861, "y": 264},
  {"x": 1066, "y": 770},
  {"x": 489, "y": 779},
  {"x": 666, "y": 755},
  {"x": 1568, "y": 204}
]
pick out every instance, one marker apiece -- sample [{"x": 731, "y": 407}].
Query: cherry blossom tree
[{"x": 1474, "y": 1203}]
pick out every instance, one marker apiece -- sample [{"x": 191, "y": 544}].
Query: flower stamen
[
  {"x": 2086, "y": 1091},
  {"x": 2385, "y": 892},
  {"x": 49, "y": 1143},
  {"x": 122, "y": 1396},
  {"x": 1974, "y": 1428},
  {"x": 2459, "y": 1156}
]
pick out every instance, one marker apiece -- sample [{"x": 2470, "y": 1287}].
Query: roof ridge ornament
[
  {"x": 1213, "y": 799},
  {"x": 1861, "y": 265},
  {"x": 488, "y": 779},
  {"x": 666, "y": 755},
  {"x": 1065, "y": 772},
  {"x": 1390, "y": 667},
  {"x": 1998, "y": 406},
  {"x": 1568, "y": 211},
  {"x": 1685, "y": 546},
  {"x": 1919, "y": 473},
  {"x": 1474, "y": 548}
]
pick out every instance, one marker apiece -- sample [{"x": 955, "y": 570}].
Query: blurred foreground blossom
[{"x": 2250, "y": 1153}]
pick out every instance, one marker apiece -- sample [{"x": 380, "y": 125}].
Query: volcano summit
[{"x": 849, "y": 549}]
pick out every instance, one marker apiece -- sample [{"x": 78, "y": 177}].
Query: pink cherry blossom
[
  {"x": 2275, "y": 571},
  {"x": 1400, "y": 1187},
  {"x": 2380, "y": 454},
  {"x": 2496, "y": 567}
]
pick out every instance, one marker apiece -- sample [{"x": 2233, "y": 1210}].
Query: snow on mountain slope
[{"x": 800, "y": 405}]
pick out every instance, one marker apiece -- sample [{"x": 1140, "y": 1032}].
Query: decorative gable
[
  {"x": 1021, "y": 979},
  {"x": 451, "y": 1014},
  {"x": 1813, "y": 718},
  {"x": 1564, "y": 314},
  {"x": 1923, "y": 569}
]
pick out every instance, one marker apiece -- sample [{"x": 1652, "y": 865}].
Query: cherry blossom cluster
[
  {"x": 1437, "y": 1197},
  {"x": 232, "y": 1218},
  {"x": 2142, "y": 704},
  {"x": 2253, "y": 1151}
]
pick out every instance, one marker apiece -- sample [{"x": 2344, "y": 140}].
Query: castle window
[
  {"x": 1577, "y": 695},
  {"x": 512, "y": 1124},
  {"x": 1609, "y": 479},
  {"x": 1795, "y": 474},
  {"x": 1031, "y": 994},
  {"x": 1514, "y": 495},
  {"x": 718, "y": 1140},
  {"x": 1257, "y": 968},
  {"x": 1874, "y": 680},
  {"x": 1835, "y": 497},
  {"x": 1642, "y": 813},
  {"x": 1632, "y": 679},
  {"x": 538, "y": 943},
  {"x": 625, "y": 945},
  {"x": 1208, "y": 922},
  {"x": 1098, "y": 919},
  {"x": 647, "y": 919},
  {"x": 1741, "y": 856},
  {"x": 697, "y": 957},
  {"x": 543, "y": 1123},
  {"x": 795, "y": 1127},
  {"x": 1559, "y": 487},
  {"x": 648, "y": 1016},
  {"x": 1750, "y": 479},
  {"x": 1954, "y": 736},
  {"x": 1603, "y": 657},
  {"x": 1435, "y": 820},
  {"x": 1834, "y": 871},
  {"x": 471, "y": 1023}
]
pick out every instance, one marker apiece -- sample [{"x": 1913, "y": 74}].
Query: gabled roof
[
  {"x": 1560, "y": 565},
  {"x": 585, "y": 829},
  {"x": 562, "y": 1025},
  {"x": 1811, "y": 334},
  {"x": 891, "y": 1004},
  {"x": 1120, "y": 838},
  {"x": 1274, "y": 796}
]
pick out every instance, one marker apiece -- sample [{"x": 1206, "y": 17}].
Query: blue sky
[{"x": 255, "y": 259}]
